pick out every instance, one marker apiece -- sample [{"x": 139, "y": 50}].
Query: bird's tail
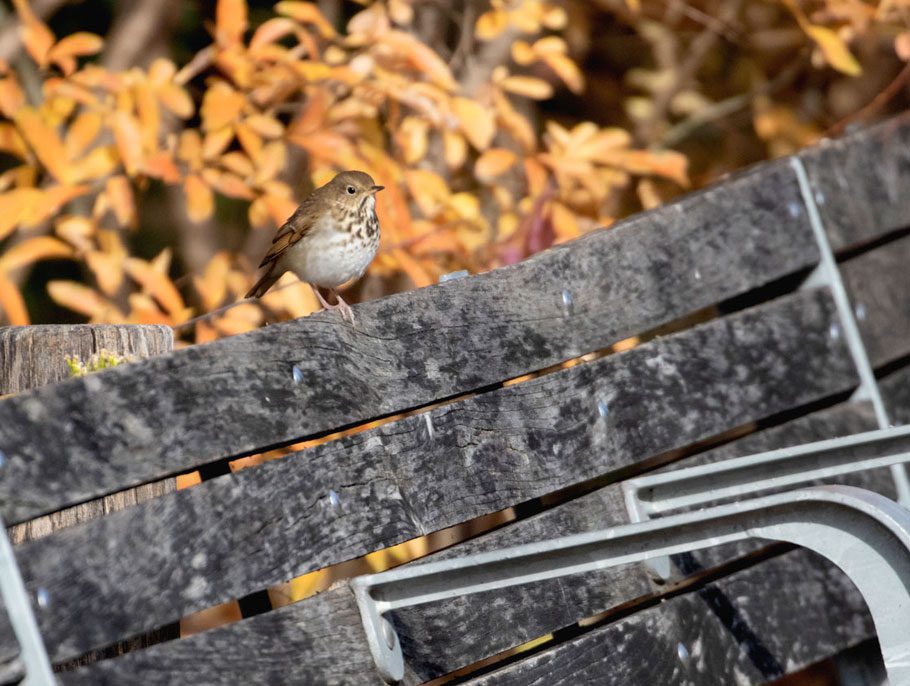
[{"x": 265, "y": 283}]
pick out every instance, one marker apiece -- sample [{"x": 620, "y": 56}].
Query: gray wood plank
[
  {"x": 862, "y": 182},
  {"x": 442, "y": 637},
  {"x": 879, "y": 286},
  {"x": 244, "y": 531},
  {"x": 748, "y": 628},
  {"x": 895, "y": 389},
  {"x": 87, "y": 437},
  {"x": 317, "y": 641}
]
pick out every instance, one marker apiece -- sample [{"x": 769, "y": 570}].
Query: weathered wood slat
[
  {"x": 90, "y": 436},
  {"x": 319, "y": 641},
  {"x": 748, "y": 628},
  {"x": 442, "y": 637},
  {"x": 247, "y": 530},
  {"x": 895, "y": 389},
  {"x": 879, "y": 286},
  {"x": 862, "y": 182}
]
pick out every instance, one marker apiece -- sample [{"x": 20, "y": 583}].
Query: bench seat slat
[
  {"x": 242, "y": 532},
  {"x": 137, "y": 423}
]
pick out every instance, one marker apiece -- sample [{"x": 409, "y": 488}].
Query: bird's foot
[{"x": 346, "y": 313}]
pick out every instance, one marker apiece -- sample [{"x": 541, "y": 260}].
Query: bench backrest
[{"x": 727, "y": 343}]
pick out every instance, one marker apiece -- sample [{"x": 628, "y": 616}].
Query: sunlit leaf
[
  {"x": 270, "y": 31},
  {"x": 11, "y": 95},
  {"x": 413, "y": 268},
  {"x": 476, "y": 121},
  {"x": 230, "y": 21},
  {"x": 250, "y": 140},
  {"x": 176, "y": 99},
  {"x": 100, "y": 162},
  {"x": 128, "y": 137},
  {"x": 902, "y": 46},
  {"x": 566, "y": 69},
  {"x": 527, "y": 86},
  {"x": 238, "y": 163},
  {"x": 221, "y": 105},
  {"x": 81, "y": 133},
  {"x": 216, "y": 142},
  {"x": 428, "y": 189},
  {"x": 44, "y": 141},
  {"x": 565, "y": 223},
  {"x": 75, "y": 45},
  {"x": 412, "y": 137},
  {"x": 161, "y": 166},
  {"x": 836, "y": 52},
  {"x": 36, "y": 36},
  {"x": 455, "y": 149},
  {"x": 265, "y": 126},
  {"x": 200, "y": 202},
  {"x": 212, "y": 285},
  {"x": 419, "y": 56},
  {"x": 11, "y": 142},
  {"x": 120, "y": 196},
  {"x": 306, "y": 13},
  {"x": 490, "y": 24},
  {"x": 82, "y": 299},
  {"x": 271, "y": 161},
  {"x": 157, "y": 285},
  {"x": 11, "y": 302},
  {"x": 493, "y": 163},
  {"x": 32, "y": 250}
]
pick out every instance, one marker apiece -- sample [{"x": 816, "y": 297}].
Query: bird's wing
[{"x": 290, "y": 233}]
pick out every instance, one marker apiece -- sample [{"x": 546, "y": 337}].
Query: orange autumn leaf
[
  {"x": 81, "y": 133},
  {"x": 212, "y": 285},
  {"x": 36, "y": 36},
  {"x": 306, "y": 13},
  {"x": 11, "y": 303},
  {"x": 476, "y": 121},
  {"x": 44, "y": 141},
  {"x": 161, "y": 166},
  {"x": 566, "y": 69},
  {"x": 32, "y": 250},
  {"x": 78, "y": 44},
  {"x": 265, "y": 126},
  {"x": 526, "y": 86},
  {"x": 200, "y": 201},
  {"x": 493, "y": 163},
  {"x": 412, "y": 267},
  {"x": 221, "y": 105},
  {"x": 420, "y": 57},
  {"x": 11, "y": 96},
  {"x": 80, "y": 298},
  {"x": 836, "y": 52},
  {"x": 120, "y": 197},
  {"x": 230, "y": 21},
  {"x": 270, "y": 31},
  {"x": 108, "y": 270},
  {"x": 156, "y": 284},
  {"x": 128, "y": 138}
]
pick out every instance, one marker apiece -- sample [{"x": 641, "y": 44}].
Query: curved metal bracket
[{"x": 865, "y": 534}]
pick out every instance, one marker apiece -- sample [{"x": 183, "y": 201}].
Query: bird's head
[{"x": 354, "y": 189}]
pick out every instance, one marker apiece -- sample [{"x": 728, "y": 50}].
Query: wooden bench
[{"x": 733, "y": 356}]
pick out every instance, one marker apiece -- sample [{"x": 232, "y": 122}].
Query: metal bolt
[
  {"x": 697, "y": 275},
  {"x": 568, "y": 303},
  {"x": 451, "y": 276},
  {"x": 603, "y": 409},
  {"x": 819, "y": 198},
  {"x": 43, "y": 597},
  {"x": 2, "y": 459},
  {"x": 861, "y": 312},
  {"x": 297, "y": 374},
  {"x": 334, "y": 498},
  {"x": 834, "y": 332},
  {"x": 431, "y": 430},
  {"x": 794, "y": 209}
]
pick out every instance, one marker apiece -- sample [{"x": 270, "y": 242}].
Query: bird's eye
[{"x": 352, "y": 190}]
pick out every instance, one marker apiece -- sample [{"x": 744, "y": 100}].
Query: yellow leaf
[
  {"x": 490, "y": 24},
  {"x": 493, "y": 163},
  {"x": 227, "y": 184},
  {"x": 476, "y": 121},
  {"x": 270, "y": 31},
  {"x": 230, "y": 21},
  {"x": 212, "y": 285},
  {"x": 216, "y": 142},
  {"x": 120, "y": 196},
  {"x": 238, "y": 163},
  {"x": 306, "y": 13},
  {"x": 107, "y": 269},
  {"x": 550, "y": 44},
  {"x": 271, "y": 161},
  {"x": 566, "y": 69},
  {"x": 514, "y": 123},
  {"x": 44, "y": 141},
  {"x": 176, "y": 99},
  {"x": 32, "y": 250},
  {"x": 128, "y": 137},
  {"x": 11, "y": 141},
  {"x": 189, "y": 149},
  {"x": 666, "y": 163},
  {"x": 98, "y": 163},
  {"x": 11, "y": 303},
  {"x": 221, "y": 105},
  {"x": 37, "y": 38},
  {"x": 81, "y": 298},
  {"x": 75, "y": 230},
  {"x": 412, "y": 137},
  {"x": 75, "y": 45},
  {"x": 416, "y": 271},
  {"x": 161, "y": 166},
  {"x": 200, "y": 202},
  {"x": 523, "y": 53},
  {"x": 565, "y": 223},
  {"x": 156, "y": 284},
  {"x": 149, "y": 117},
  {"x": 428, "y": 189},
  {"x": 161, "y": 71},
  {"x": 836, "y": 52},
  {"x": 11, "y": 96},
  {"x": 265, "y": 126},
  {"x": 455, "y": 150},
  {"x": 419, "y": 56},
  {"x": 81, "y": 133},
  {"x": 527, "y": 86},
  {"x": 250, "y": 141}
]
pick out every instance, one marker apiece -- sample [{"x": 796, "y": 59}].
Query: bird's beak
[{"x": 375, "y": 189}]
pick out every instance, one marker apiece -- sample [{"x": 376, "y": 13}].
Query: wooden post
[{"x": 33, "y": 356}]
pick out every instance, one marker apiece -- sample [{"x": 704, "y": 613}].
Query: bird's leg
[{"x": 341, "y": 305}]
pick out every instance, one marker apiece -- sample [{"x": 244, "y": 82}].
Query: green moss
[{"x": 97, "y": 362}]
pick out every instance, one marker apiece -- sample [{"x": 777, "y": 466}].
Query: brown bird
[{"x": 330, "y": 239}]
